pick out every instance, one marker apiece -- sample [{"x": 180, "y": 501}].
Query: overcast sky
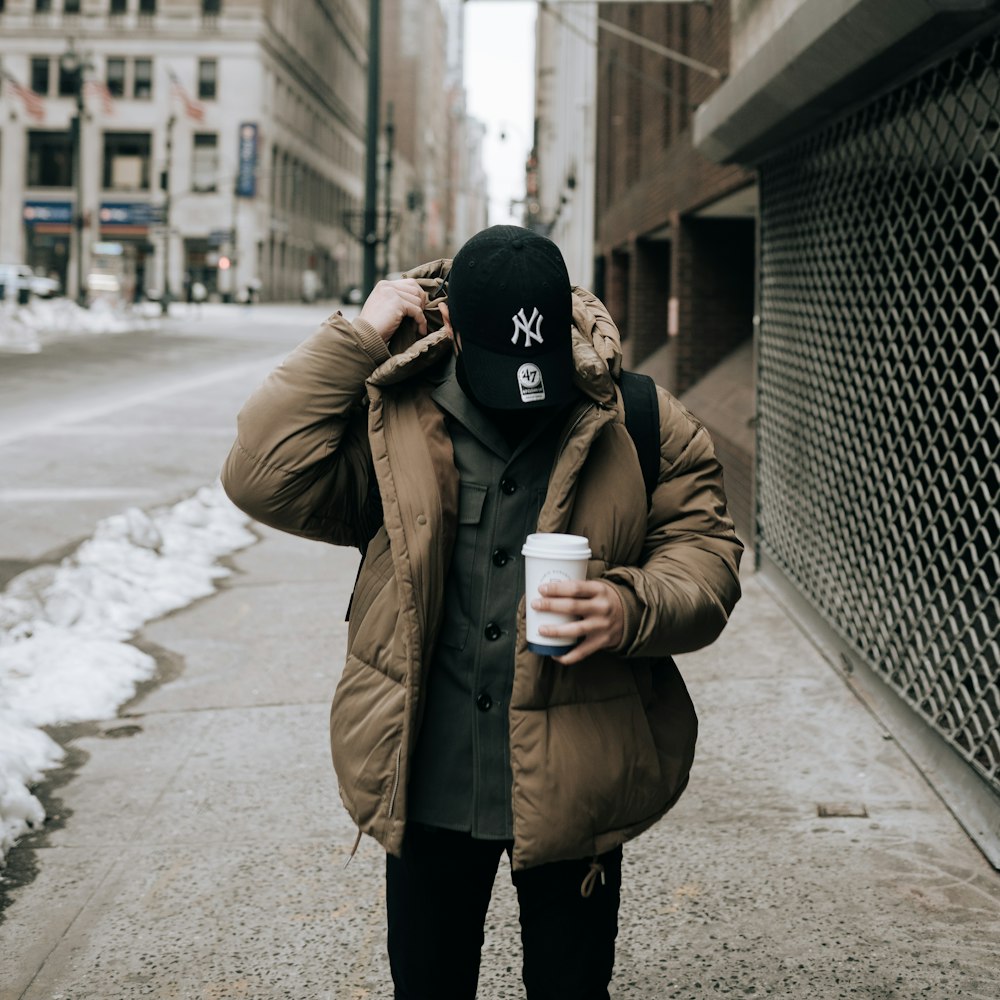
[{"x": 499, "y": 81}]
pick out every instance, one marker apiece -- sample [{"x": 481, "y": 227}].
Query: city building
[
  {"x": 223, "y": 142},
  {"x": 675, "y": 233},
  {"x": 872, "y": 125},
  {"x": 220, "y": 142},
  {"x": 562, "y": 175},
  {"x": 437, "y": 180}
]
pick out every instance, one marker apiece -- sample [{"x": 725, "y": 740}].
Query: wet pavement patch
[
  {"x": 21, "y": 864},
  {"x": 169, "y": 666}
]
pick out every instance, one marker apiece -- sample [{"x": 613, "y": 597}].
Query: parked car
[
  {"x": 352, "y": 295},
  {"x": 15, "y": 282},
  {"x": 19, "y": 282},
  {"x": 45, "y": 286}
]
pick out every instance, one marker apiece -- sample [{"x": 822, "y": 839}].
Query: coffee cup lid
[{"x": 552, "y": 545}]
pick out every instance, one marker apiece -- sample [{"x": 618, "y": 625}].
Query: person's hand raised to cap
[{"x": 391, "y": 302}]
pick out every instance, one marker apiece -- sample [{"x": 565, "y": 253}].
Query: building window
[
  {"x": 50, "y": 159},
  {"x": 40, "y": 75},
  {"x": 205, "y": 162},
  {"x": 147, "y": 7},
  {"x": 43, "y": 6},
  {"x": 115, "y": 77},
  {"x": 207, "y": 71},
  {"x": 71, "y": 6},
  {"x": 142, "y": 80},
  {"x": 126, "y": 161},
  {"x": 118, "y": 7},
  {"x": 211, "y": 7}
]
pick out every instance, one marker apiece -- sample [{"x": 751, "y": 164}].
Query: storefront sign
[
  {"x": 246, "y": 177},
  {"x": 51, "y": 212},
  {"x": 129, "y": 213}
]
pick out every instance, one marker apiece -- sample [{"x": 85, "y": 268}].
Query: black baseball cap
[{"x": 510, "y": 299}]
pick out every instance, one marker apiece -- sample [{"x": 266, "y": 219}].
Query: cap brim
[{"x": 497, "y": 379}]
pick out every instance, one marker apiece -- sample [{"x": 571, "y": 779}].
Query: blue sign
[
  {"x": 58, "y": 212},
  {"x": 129, "y": 213},
  {"x": 246, "y": 177}
]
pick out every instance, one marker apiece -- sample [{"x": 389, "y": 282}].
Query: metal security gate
[{"x": 879, "y": 389}]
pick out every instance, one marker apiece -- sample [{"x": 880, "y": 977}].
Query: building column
[
  {"x": 13, "y": 157},
  {"x": 616, "y": 272},
  {"x": 649, "y": 297}
]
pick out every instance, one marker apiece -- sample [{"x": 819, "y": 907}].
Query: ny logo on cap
[{"x": 522, "y": 325}]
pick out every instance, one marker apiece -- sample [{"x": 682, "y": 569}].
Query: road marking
[{"x": 182, "y": 383}]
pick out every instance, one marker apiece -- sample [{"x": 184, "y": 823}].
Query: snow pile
[
  {"x": 23, "y": 328},
  {"x": 64, "y": 630}
]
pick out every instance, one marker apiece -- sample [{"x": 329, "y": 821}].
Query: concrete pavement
[{"x": 197, "y": 843}]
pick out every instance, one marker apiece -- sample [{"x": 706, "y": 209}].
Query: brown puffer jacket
[{"x": 598, "y": 751}]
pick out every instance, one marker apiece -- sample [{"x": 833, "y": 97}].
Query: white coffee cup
[{"x": 548, "y": 558}]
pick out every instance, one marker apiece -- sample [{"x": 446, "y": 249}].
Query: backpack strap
[{"x": 642, "y": 421}]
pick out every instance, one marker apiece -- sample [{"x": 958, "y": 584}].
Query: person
[
  {"x": 310, "y": 286},
  {"x": 471, "y": 403}
]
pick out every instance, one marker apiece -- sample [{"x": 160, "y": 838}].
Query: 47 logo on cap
[
  {"x": 530, "y": 384},
  {"x": 523, "y": 325}
]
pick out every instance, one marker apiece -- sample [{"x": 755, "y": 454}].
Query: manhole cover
[{"x": 118, "y": 731}]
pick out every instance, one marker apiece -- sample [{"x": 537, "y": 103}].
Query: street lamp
[
  {"x": 371, "y": 146},
  {"x": 73, "y": 66},
  {"x": 166, "y": 178}
]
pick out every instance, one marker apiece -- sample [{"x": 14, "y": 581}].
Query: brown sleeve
[
  {"x": 301, "y": 460},
  {"x": 681, "y": 597}
]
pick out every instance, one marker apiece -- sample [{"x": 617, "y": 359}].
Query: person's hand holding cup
[{"x": 567, "y": 616}]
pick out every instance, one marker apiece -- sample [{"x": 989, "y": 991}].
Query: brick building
[{"x": 675, "y": 232}]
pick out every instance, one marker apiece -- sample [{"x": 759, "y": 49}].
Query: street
[
  {"x": 93, "y": 424},
  {"x": 195, "y": 845}
]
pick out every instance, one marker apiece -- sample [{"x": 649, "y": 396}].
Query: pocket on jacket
[{"x": 455, "y": 625}]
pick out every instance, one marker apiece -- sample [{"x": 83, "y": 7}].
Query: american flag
[
  {"x": 34, "y": 104},
  {"x": 100, "y": 89},
  {"x": 192, "y": 108}
]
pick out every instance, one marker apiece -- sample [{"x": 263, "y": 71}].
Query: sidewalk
[{"x": 196, "y": 846}]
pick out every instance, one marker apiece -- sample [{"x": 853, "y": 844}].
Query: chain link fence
[{"x": 879, "y": 389}]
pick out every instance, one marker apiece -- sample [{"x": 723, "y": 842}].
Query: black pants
[{"x": 437, "y": 895}]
